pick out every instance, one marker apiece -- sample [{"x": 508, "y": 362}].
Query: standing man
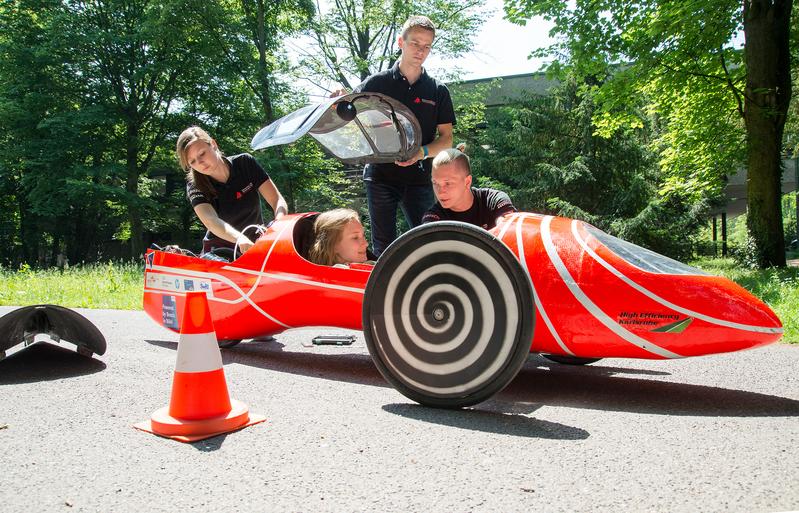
[
  {"x": 407, "y": 183},
  {"x": 458, "y": 200}
]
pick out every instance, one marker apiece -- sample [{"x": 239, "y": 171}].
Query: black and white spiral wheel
[{"x": 448, "y": 315}]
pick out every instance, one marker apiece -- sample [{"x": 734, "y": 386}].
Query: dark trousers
[{"x": 383, "y": 199}]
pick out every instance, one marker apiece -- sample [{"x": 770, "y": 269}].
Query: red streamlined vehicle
[{"x": 450, "y": 311}]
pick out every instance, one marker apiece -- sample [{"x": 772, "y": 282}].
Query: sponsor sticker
[
  {"x": 150, "y": 280},
  {"x": 658, "y": 322},
  {"x": 173, "y": 283},
  {"x": 169, "y": 312}
]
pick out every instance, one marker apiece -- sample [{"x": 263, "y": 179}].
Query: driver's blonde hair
[{"x": 328, "y": 230}]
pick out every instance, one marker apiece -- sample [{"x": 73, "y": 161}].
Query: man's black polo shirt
[{"x": 429, "y": 101}]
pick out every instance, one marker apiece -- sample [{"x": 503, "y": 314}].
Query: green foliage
[
  {"x": 92, "y": 97},
  {"x": 470, "y": 107},
  {"x": 702, "y": 137},
  {"x": 681, "y": 59},
  {"x": 792, "y": 123},
  {"x": 666, "y": 226},
  {"x": 677, "y": 56},
  {"x": 311, "y": 180},
  {"x": 789, "y": 220},
  {"x": 245, "y": 40},
  {"x": 107, "y": 77}
]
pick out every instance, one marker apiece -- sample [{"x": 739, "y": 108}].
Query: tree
[
  {"x": 767, "y": 97},
  {"x": 93, "y": 95},
  {"x": 49, "y": 142},
  {"x": 247, "y": 38},
  {"x": 22, "y": 68},
  {"x": 136, "y": 60},
  {"x": 683, "y": 49},
  {"x": 358, "y": 37}
]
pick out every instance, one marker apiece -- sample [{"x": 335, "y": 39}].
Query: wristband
[{"x": 424, "y": 152}]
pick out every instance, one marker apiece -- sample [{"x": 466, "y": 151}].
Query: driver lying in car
[{"x": 339, "y": 239}]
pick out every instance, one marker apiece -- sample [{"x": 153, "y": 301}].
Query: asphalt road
[{"x": 718, "y": 433}]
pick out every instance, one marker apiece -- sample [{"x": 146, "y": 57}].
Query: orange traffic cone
[{"x": 200, "y": 406}]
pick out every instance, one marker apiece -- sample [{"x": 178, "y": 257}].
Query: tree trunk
[
  {"x": 132, "y": 189},
  {"x": 263, "y": 70},
  {"x": 27, "y": 232},
  {"x": 768, "y": 93}
]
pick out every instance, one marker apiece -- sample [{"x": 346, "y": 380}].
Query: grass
[
  {"x": 118, "y": 285},
  {"x": 115, "y": 285}
]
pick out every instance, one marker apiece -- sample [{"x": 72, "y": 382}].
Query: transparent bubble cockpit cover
[
  {"x": 643, "y": 258},
  {"x": 372, "y": 128}
]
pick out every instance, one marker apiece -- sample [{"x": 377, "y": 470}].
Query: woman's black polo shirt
[{"x": 237, "y": 201}]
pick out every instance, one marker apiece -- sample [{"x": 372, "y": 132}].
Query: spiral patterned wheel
[{"x": 448, "y": 315}]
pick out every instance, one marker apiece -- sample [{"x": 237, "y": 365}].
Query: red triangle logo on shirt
[
  {"x": 417, "y": 100},
  {"x": 238, "y": 194}
]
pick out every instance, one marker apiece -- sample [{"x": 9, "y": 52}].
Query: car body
[{"x": 450, "y": 312}]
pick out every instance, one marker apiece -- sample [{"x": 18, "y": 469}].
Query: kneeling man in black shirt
[{"x": 457, "y": 200}]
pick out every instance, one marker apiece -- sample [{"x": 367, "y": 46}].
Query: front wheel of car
[
  {"x": 448, "y": 315},
  {"x": 226, "y": 344}
]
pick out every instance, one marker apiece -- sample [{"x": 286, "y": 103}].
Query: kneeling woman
[{"x": 224, "y": 190}]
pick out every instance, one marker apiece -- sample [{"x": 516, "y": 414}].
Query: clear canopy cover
[{"x": 356, "y": 128}]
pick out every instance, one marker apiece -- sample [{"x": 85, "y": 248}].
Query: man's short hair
[
  {"x": 453, "y": 156},
  {"x": 417, "y": 22}
]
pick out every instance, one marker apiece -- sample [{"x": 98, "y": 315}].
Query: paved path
[{"x": 717, "y": 433}]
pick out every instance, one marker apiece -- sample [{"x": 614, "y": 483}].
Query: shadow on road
[
  {"x": 44, "y": 361},
  {"x": 605, "y": 388},
  {"x": 347, "y": 367},
  {"x": 480, "y": 419},
  {"x": 539, "y": 383}
]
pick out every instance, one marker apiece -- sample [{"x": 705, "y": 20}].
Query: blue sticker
[
  {"x": 169, "y": 312},
  {"x": 188, "y": 285}
]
